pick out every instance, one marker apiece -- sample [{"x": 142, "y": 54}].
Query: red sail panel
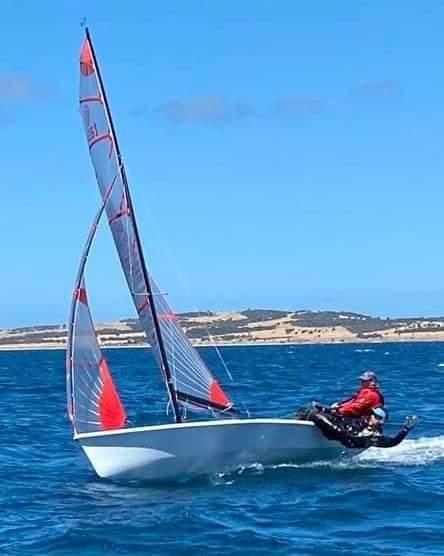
[
  {"x": 217, "y": 395},
  {"x": 111, "y": 412},
  {"x": 80, "y": 295},
  {"x": 86, "y": 59}
]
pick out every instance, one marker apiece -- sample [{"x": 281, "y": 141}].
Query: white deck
[{"x": 181, "y": 450}]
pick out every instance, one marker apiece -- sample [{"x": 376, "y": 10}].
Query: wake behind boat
[{"x": 97, "y": 414}]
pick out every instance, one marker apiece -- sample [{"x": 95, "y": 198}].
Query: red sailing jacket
[{"x": 361, "y": 403}]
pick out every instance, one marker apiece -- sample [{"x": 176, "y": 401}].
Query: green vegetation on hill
[
  {"x": 363, "y": 325},
  {"x": 263, "y": 314},
  {"x": 248, "y": 325}
]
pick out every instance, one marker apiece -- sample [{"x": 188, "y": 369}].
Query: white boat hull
[{"x": 179, "y": 451}]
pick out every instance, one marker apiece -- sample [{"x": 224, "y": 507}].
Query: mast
[{"x": 164, "y": 359}]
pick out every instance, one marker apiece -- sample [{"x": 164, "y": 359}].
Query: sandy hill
[{"x": 253, "y": 326}]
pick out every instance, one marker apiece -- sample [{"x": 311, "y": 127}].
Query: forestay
[{"x": 187, "y": 377}]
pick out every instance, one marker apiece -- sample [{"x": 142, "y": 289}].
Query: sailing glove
[{"x": 411, "y": 422}]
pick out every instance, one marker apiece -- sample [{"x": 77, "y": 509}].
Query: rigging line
[
  {"x": 182, "y": 376},
  {"x": 197, "y": 371},
  {"x": 185, "y": 411},
  {"x": 218, "y": 352},
  {"x": 183, "y": 367},
  {"x": 177, "y": 336},
  {"x": 187, "y": 292},
  {"x": 216, "y": 347},
  {"x": 184, "y": 373},
  {"x": 180, "y": 335},
  {"x": 131, "y": 261},
  {"x": 185, "y": 384},
  {"x": 157, "y": 332},
  {"x": 204, "y": 379},
  {"x": 200, "y": 372},
  {"x": 159, "y": 294},
  {"x": 207, "y": 405},
  {"x": 175, "y": 331},
  {"x": 187, "y": 349},
  {"x": 197, "y": 392}
]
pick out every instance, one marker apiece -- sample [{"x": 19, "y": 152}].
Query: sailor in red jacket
[{"x": 361, "y": 404}]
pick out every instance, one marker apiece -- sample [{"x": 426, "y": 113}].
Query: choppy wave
[{"x": 53, "y": 503}]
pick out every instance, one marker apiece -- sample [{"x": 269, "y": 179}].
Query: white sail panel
[{"x": 191, "y": 380}]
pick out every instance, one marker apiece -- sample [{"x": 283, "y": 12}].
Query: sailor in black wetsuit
[{"x": 371, "y": 434}]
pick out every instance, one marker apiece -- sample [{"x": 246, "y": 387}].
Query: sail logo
[{"x": 92, "y": 133}]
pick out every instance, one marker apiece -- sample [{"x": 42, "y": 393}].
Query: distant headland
[{"x": 251, "y": 326}]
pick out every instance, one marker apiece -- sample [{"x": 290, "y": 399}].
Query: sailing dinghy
[{"x": 98, "y": 416}]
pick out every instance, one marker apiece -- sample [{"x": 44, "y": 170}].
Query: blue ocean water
[{"x": 385, "y": 502}]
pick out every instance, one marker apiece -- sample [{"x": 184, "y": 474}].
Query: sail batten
[{"x": 182, "y": 368}]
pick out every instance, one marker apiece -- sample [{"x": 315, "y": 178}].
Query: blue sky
[{"x": 280, "y": 154}]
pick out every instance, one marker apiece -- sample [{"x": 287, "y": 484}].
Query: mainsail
[{"x": 186, "y": 376}]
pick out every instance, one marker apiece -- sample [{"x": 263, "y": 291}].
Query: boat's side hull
[{"x": 166, "y": 452}]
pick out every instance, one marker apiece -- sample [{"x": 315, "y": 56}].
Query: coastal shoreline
[
  {"x": 250, "y": 327},
  {"x": 357, "y": 341}
]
